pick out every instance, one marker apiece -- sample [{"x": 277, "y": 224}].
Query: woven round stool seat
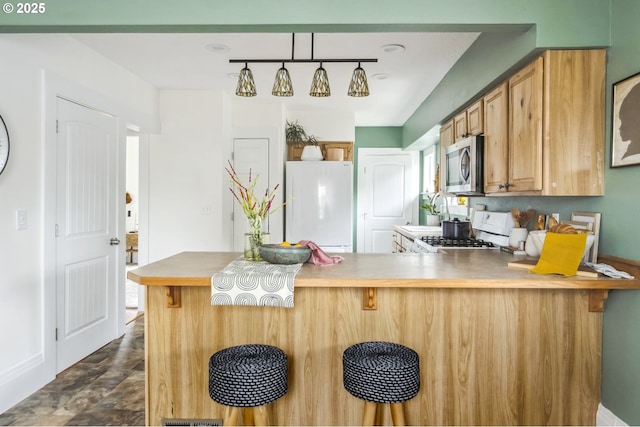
[
  {"x": 381, "y": 372},
  {"x": 248, "y": 375}
]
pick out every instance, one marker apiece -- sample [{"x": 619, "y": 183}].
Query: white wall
[
  {"x": 186, "y": 171},
  {"x": 26, "y": 360},
  {"x": 326, "y": 125}
]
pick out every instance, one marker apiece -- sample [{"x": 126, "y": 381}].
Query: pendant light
[
  {"x": 358, "y": 85},
  {"x": 320, "y": 83},
  {"x": 282, "y": 85},
  {"x": 246, "y": 85}
]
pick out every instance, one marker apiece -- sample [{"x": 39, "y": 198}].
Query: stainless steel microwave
[{"x": 465, "y": 167}]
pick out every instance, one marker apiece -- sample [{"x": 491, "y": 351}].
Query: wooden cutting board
[{"x": 583, "y": 270}]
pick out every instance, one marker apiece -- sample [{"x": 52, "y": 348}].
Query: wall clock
[{"x": 4, "y": 145}]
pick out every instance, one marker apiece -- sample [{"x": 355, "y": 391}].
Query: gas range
[
  {"x": 436, "y": 243},
  {"x": 491, "y": 232},
  {"x": 470, "y": 243}
]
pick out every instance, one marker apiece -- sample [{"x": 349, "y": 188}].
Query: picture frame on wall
[{"x": 625, "y": 126}]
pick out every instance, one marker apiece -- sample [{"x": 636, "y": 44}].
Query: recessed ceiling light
[
  {"x": 218, "y": 48},
  {"x": 393, "y": 48},
  {"x": 233, "y": 76},
  {"x": 380, "y": 76}
]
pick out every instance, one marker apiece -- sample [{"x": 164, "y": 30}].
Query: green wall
[
  {"x": 621, "y": 334},
  {"x": 489, "y": 57},
  {"x": 514, "y": 29}
]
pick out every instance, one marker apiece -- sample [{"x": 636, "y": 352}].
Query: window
[{"x": 429, "y": 167}]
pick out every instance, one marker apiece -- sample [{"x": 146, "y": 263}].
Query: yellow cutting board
[{"x": 583, "y": 270}]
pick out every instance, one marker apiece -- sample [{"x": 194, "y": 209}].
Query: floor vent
[{"x": 190, "y": 422}]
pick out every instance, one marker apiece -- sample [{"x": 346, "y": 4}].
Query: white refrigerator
[{"x": 319, "y": 206}]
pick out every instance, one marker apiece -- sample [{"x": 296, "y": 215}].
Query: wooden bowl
[{"x": 278, "y": 254}]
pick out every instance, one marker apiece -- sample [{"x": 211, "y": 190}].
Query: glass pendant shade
[
  {"x": 358, "y": 85},
  {"x": 320, "y": 83},
  {"x": 282, "y": 85},
  {"x": 246, "y": 85}
]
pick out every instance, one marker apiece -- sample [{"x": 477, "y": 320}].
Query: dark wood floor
[{"x": 106, "y": 388}]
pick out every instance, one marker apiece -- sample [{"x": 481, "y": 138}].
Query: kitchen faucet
[{"x": 446, "y": 204}]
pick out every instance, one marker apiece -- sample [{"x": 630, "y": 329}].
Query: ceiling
[{"x": 398, "y": 82}]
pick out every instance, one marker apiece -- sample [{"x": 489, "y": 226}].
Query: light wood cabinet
[
  {"x": 446, "y": 139},
  {"x": 496, "y": 138},
  {"x": 469, "y": 122},
  {"x": 525, "y": 128},
  {"x": 555, "y": 136}
]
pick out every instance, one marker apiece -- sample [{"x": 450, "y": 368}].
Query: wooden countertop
[{"x": 453, "y": 269}]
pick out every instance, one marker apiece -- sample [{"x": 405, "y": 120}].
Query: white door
[
  {"x": 249, "y": 154},
  {"x": 387, "y": 196},
  {"x": 86, "y": 221}
]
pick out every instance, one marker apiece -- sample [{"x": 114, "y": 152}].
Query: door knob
[{"x": 114, "y": 241}]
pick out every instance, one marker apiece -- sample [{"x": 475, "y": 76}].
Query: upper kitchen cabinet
[
  {"x": 446, "y": 139},
  {"x": 496, "y": 138},
  {"x": 555, "y": 134},
  {"x": 469, "y": 122},
  {"x": 525, "y": 129}
]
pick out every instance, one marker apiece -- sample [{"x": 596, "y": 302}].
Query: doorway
[
  {"x": 387, "y": 195},
  {"x": 250, "y": 157},
  {"x": 86, "y": 230},
  {"x": 134, "y": 294}
]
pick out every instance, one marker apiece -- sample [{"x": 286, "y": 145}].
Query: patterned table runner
[{"x": 254, "y": 283}]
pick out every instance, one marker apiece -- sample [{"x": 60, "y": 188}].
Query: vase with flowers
[{"x": 256, "y": 210}]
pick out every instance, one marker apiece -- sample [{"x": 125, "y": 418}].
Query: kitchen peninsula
[{"x": 497, "y": 345}]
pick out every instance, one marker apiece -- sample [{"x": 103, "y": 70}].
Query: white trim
[
  {"x": 20, "y": 369},
  {"x": 22, "y": 380},
  {"x": 605, "y": 417}
]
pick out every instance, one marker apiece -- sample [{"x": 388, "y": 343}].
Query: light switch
[
  {"x": 21, "y": 219},
  {"x": 205, "y": 210}
]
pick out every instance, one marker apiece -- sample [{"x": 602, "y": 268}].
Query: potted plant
[
  {"x": 433, "y": 213},
  {"x": 296, "y": 135}
]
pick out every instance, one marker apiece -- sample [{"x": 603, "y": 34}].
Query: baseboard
[
  {"x": 23, "y": 380},
  {"x": 605, "y": 417}
]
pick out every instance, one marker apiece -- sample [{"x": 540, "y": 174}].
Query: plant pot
[
  {"x": 311, "y": 152},
  {"x": 433, "y": 220}
]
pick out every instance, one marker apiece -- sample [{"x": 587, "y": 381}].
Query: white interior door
[
  {"x": 387, "y": 196},
  {"x": 86, "y": 221},
  {"x": 249, "y": 154}
]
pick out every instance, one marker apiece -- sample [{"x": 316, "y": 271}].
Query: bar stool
[
  {"x": 381, "y": 372},
  {"x": 248, "y": 376}
]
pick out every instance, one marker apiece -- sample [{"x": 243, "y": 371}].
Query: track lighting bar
[
  {"x": 287, "y": 61},
  {"x": 293, "y": 60}
]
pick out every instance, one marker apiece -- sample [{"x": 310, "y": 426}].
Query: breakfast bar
[{"x": 497, "y": 345}]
